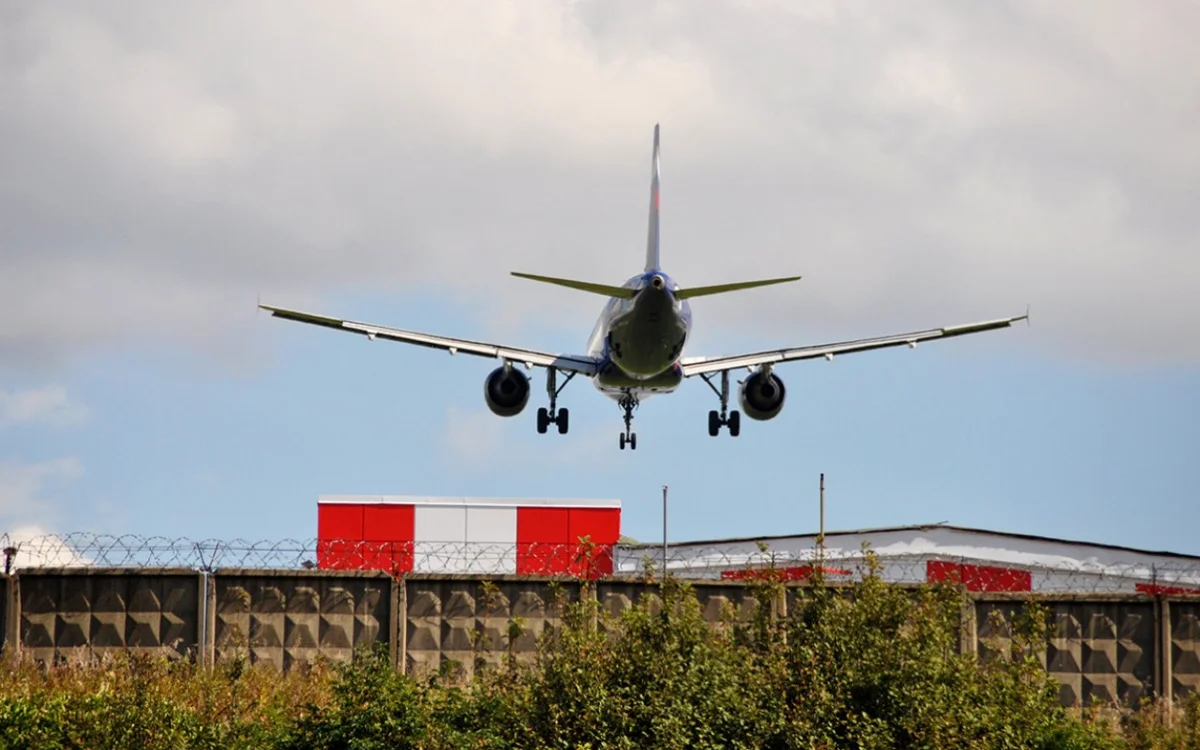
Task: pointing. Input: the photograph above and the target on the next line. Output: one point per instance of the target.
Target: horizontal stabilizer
(702, 291)
(584, 286)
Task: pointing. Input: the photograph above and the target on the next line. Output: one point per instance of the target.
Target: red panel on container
(602, 524)
(548, 540)
(337, 555)
(603, 527)
(388, 523)
(393, 557)
(979, 577)
(338, 521)
(542, 536)
(542, 525)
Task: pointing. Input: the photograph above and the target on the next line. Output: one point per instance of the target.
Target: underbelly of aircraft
(612, 378)
(643, 349)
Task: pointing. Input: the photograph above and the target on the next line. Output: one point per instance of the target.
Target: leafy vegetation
(870, 665)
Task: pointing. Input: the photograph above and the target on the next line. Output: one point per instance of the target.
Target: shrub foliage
(869, 665)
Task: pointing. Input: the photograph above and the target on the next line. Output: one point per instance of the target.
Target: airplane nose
(657, 281)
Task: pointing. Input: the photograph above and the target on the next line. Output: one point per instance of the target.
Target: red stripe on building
(796, 573)
(1157, 590)
(979, 577)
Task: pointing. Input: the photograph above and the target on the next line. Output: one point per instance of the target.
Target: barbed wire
(1020, 572)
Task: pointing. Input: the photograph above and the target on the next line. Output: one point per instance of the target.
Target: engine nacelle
(506, 391)
(762, 395)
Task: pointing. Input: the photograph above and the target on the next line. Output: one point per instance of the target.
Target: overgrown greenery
(866, 666)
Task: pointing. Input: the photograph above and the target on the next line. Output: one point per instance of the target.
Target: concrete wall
(1099, 651)
(74, 612)
(718, 600)
(1119, 647)
(287, 618)
(465, 624)
(1183, 643)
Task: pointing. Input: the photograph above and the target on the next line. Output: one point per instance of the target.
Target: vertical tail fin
(652, 234)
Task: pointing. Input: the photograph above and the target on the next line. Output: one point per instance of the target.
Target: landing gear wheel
(553, 415)
(622, 441)
(633, 441)
(724, 417)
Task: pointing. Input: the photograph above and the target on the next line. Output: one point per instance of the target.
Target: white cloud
(920, 164)
(37, 546)
(473, 438)
(23, 489)
(48, 405)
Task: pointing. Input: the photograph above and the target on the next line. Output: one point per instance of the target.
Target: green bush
(870, 665)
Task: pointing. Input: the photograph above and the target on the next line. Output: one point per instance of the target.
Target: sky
(166, 166)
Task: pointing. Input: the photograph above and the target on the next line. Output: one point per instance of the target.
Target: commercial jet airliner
(636, 348)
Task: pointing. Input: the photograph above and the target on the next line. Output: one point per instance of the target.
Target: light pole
(821, 533)
(664, 562)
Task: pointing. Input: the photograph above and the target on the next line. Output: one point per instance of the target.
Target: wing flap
(568, 363)
(704, 365)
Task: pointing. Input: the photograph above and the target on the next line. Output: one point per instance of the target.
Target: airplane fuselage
(641, 339)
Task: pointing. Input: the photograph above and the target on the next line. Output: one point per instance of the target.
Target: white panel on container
(439, 523)
(486, 524)
(490, 558)
(481, 558)
(439, 557)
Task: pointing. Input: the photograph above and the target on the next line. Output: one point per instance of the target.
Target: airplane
(635, 349)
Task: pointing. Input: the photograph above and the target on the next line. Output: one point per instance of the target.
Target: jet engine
(762, 395)
(506, 391)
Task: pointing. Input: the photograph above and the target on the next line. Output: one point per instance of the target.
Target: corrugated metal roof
(918, 527)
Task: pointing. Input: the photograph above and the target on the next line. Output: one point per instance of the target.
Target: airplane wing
(704, 365)
(581, 364)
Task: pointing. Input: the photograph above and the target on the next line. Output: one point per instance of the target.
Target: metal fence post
(1164, 656)
(12, 623)
(398, 631)
(202, 620)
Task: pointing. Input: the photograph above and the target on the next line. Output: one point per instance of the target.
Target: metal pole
(821, 533)
(664, 563)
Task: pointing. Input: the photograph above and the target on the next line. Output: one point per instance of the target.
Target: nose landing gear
(628, 402)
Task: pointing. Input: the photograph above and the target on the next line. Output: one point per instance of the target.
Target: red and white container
(494, 536)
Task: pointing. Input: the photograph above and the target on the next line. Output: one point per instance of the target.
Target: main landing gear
(628, 402)
(554, 415)
(730, 419)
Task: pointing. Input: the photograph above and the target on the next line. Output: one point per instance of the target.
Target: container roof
(508, 502)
